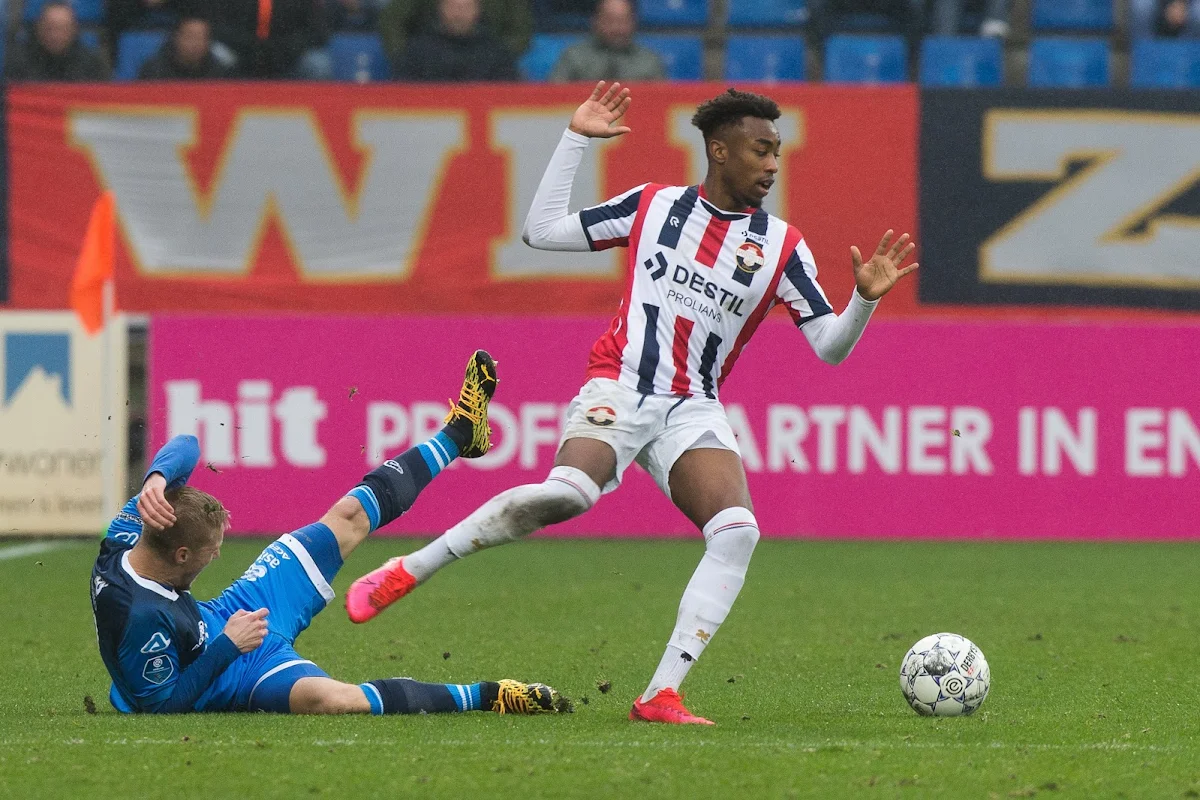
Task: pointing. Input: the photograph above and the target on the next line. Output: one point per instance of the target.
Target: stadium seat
(865, 59)
(1166, 64)
(85, 10)
(961, 61)
(1068, 63)
(652, 13)
(90, 37)
(544, 53)
(764, 58)
(1073, 15)
(133, 49)
(767, 13)
(682, 55)
(358, 57)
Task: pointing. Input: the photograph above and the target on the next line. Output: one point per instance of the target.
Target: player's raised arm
(833, 336)
(548, 225)
(172, 466)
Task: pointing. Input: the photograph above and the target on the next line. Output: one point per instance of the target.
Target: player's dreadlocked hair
(729, 109)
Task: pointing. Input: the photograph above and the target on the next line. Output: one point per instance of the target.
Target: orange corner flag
(95, 264)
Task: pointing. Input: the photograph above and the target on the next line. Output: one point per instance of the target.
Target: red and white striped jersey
(700, 282)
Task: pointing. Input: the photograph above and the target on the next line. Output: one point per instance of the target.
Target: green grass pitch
(1093, 649)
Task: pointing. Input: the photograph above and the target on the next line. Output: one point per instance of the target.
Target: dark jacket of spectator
(511, 21)
(351, 16)
(29, 61)
(164, 66)
(438, 56)
(296, 26)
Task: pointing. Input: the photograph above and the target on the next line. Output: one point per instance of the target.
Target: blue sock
(391, 488)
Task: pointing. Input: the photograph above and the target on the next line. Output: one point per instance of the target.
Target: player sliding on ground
(168, 653)
(705, 265)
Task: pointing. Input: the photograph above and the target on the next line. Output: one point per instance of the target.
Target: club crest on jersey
(601, 416)
(750, 257)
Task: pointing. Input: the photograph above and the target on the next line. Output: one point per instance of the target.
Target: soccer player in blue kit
(168, 653)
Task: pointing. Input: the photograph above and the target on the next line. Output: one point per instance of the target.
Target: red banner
(403, 199)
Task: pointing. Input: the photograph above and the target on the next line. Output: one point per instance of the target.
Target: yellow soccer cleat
(530, 698)
(471, 410)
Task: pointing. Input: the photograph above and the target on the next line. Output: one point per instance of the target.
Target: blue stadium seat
(1166, 64)
(682, 55)
(85, 10)
(133, 49)
(764, 58)
(961, 61)
(1073, 15)
(673, 12)
(544, 53)
(865, 59)
(89, 37)
(358, 57)
(1068, 63)
(767, 13)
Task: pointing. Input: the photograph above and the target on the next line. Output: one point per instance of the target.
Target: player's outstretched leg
(315, 695)
(507, 517)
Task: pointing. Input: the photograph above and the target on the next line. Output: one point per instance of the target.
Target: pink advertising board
(929, 429)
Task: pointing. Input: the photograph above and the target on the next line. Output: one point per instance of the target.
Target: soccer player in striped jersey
(168, 653)
(705, 265)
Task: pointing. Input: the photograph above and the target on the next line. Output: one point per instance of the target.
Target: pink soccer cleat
(666, 706)
(378, 589)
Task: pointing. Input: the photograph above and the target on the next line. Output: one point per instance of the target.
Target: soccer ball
(945, 675)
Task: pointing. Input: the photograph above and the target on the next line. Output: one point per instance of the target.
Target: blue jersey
(153, 639)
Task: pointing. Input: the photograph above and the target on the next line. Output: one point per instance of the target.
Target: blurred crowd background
(1054, 43)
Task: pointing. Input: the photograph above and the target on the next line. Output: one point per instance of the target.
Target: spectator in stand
(458, 49)
(610, 54)
(54, 52)
(129, 15)
(907, 17)
(947, 17)
(273, 38)
(510, 21)
(1169, 18)
(352, 15)
(185, 55)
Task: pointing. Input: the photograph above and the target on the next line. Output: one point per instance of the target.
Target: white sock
(729, 537)
(510, 515)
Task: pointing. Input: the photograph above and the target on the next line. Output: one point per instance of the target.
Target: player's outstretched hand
(876, 277)
(247, 629)
(152, 504)
(597, 117)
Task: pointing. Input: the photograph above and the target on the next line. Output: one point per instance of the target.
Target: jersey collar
(727, 216)
(146, 583)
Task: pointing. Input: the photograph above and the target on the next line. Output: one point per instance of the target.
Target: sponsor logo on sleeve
(158, 669)
(157, 644)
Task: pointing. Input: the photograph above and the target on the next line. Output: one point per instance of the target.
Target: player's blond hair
(199, 519)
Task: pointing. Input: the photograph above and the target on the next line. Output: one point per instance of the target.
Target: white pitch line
(29, 549)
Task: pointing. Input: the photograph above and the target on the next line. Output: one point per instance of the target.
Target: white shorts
(653, 430)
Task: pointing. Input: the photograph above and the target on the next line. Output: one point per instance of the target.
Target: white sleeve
(833, 336)
(548, 226)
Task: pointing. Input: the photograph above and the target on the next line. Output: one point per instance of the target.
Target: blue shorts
(291, 579)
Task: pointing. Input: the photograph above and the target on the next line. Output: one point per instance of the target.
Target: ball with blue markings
(945, 675)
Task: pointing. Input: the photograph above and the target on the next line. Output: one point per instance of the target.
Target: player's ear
(717, 151)
(182, 554)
